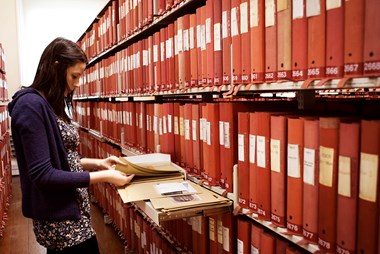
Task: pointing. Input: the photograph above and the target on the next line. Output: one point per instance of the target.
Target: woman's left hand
(109, 163)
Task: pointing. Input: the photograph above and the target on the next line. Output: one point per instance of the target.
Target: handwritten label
(252, 148)
(369, 164)
(309, 166)
(241, 139)
(326, 166)
(260, 155)
(275, 155)
(344, 176)
(294, 168)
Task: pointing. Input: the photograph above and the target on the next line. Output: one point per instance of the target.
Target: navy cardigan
(48, 187)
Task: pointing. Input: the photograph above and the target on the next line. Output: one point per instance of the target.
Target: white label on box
(369, 165)
(241, 147)
(226, 239)
(186, 46)
(181, 126)
(254, 250)
(145, 57)
(217, 38)
(344, 176)
(155, 124)
(155, 53)
(194, 129)
(208, 133)
(240, 246)
(162, 51)
(203, 37)
(333, 4)
(199, 39)
(254, 13)
(270, 13)
(244, 17)
(309, 166)
(170, 124)
(313, 8)
(191, 38)
(234, 22)
(169, 48)
(227, 138)
(176, 126)
(252, 148)
(294, 166)
(220, 231)
(282, 5)
(175, 45)
(130, 119)
(275, 152)
(180, 40)
(212, 226)
(224, 25)
(326, 164)
(160, 126)
(298, 9)
(208, 30)
(202, 133)
(221, 133)
(165, 129)
(260, 155)
(187, 129)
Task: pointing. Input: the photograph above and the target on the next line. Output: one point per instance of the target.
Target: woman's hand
(91, 164)
(119, 178)
(109, 163)
(111, 176)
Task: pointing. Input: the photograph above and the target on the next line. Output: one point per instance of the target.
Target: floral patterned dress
(57, 235)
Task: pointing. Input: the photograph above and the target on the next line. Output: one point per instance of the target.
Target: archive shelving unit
(5, 147)
(297, 61)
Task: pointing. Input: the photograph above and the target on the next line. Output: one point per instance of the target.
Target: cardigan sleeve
(30, 122)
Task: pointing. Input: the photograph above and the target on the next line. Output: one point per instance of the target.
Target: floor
(18, 236)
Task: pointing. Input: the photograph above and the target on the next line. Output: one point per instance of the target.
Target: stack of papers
(200, 197)
(163, 183)
(150, 167)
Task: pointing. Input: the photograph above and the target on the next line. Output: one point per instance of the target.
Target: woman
(54, 178)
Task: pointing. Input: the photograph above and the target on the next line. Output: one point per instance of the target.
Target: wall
(9, 40)
(38, 22)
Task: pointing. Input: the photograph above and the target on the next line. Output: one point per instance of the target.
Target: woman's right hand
(113, 176)
(119, 178)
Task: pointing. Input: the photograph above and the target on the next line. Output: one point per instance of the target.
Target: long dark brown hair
(50, 77)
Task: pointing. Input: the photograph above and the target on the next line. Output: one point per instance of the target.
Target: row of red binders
(247, 42)
(191, 234)
(212, 234)
(5, 179)
(224, 233)
(121, 19)
(254, 239)
(139, 235)
(315, 176)
(5, 148)
(3, 79)
(2, 59)
(4, 121)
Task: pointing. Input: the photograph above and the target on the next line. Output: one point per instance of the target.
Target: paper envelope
(148, 190)
(204, 198)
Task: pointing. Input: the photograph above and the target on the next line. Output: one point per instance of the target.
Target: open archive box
(162, 191)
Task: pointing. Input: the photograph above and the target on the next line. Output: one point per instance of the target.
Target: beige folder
(150, 167)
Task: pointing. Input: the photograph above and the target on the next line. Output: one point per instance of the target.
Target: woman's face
(73, 75)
